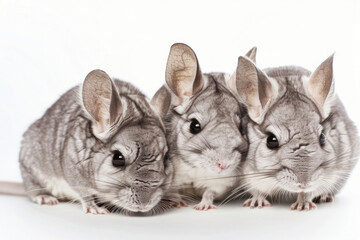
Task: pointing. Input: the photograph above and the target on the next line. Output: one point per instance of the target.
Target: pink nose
(302, 186)
(221, 166)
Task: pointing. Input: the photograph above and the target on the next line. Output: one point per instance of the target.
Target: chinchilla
(203, 127)
(107, 145)
(301, 141)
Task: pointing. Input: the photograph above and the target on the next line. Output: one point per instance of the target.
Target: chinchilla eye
(272, 141)
(241, 129)
(118, 159)
(195, 126)
(322, 139)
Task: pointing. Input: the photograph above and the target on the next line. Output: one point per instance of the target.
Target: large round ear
(252, 86)
(183, 75)
(320, 86)
(231, 82)
(161, 101)
(251, 54)
(102, 101)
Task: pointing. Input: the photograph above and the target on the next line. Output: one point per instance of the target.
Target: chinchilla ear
(320, 86)
(102, 101)
(161, 101)
(253, 87)
(231, 82)
(183, 75)
(251, 54)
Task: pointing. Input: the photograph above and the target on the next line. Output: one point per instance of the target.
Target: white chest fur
(200, 179)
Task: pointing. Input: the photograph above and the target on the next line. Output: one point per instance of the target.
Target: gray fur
(220, 139)
(196, 157)
(217, 107)
(61, 147)
(300, 166)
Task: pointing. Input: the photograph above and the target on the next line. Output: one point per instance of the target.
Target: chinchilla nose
(302, 185)
(222, 166)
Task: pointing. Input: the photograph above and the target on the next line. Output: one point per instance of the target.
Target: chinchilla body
(301, 140)
(105, 143)
(208, 162)
(204, 122)
(216, 107)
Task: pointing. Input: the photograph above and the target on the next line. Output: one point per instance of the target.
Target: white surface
(47, 47)
(24, 220)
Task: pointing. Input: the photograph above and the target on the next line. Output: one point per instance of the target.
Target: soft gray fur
(296, 106)
(67, 154)
(206, 161)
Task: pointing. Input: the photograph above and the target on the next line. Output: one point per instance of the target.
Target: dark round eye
(272, 141)
(195, 126)
(322, 139)
(118, 159)
(241, 129)
(166, 157)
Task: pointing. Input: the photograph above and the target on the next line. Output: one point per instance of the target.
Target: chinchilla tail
(12, 188)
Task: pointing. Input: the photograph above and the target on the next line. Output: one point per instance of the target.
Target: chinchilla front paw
(258, 201)
(303, 202)
(45, 200)
(301, 205)
(203, 206)
(94, 209)
(206, 201)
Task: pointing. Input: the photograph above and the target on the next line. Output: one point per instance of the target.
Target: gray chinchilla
(301, 141)
(203, 121)
(108, 144)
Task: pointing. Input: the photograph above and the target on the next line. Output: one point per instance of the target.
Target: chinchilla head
(128, 157)
(295, 137)
(203, 118)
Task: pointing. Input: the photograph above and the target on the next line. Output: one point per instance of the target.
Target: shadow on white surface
(22, 219)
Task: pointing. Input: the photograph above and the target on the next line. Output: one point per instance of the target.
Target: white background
(47, 47)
